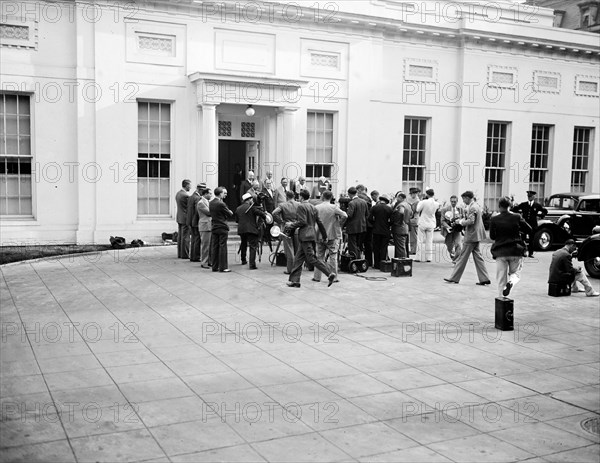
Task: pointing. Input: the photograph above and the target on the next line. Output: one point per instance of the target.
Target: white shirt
(427, 209)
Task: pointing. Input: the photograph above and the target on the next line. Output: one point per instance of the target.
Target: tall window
(580, 160)
(538, 164)
(15, 155)
(319, 145)
(413, 156)
(154, 158)
(495, 159)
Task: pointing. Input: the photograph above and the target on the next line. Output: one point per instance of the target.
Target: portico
(222, 100)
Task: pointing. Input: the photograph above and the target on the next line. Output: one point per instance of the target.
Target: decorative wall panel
(18, 33)
(244, 51)
(157, 43)
(321, 58)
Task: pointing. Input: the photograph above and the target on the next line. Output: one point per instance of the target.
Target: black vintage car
(576, 224)
(588, 252)
(560, 204)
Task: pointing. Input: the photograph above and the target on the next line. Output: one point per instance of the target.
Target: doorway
(232, 159)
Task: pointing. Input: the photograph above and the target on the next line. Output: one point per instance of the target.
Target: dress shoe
(450, 281)
(225, 270)
(593, 294)
(204, 266)
(194, 260)
(253, 267)
(507, 288)
(244, 262)
(317, 281)
(483, 283)
(531, 256)
(293, 284)
(331, 279)
(285, 272)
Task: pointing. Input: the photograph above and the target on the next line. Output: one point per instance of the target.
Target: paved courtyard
(138, 356)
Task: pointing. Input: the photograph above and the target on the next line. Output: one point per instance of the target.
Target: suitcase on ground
(504, 314)
(402, 267)
(385, 266)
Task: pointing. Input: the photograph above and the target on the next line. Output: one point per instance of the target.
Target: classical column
(286, 121)
(208, 170)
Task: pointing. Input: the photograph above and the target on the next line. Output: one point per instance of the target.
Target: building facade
(107, 106)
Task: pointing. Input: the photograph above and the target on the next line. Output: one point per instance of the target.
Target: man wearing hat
(192, 222)
(530, 210)
(245, 216)
(413, 225)
(380, 217)
(474, 233)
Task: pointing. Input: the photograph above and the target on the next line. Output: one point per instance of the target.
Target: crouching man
(562, 271)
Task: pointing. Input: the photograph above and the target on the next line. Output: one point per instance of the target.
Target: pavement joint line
(38, 364)
(360, 342)
(180, 377)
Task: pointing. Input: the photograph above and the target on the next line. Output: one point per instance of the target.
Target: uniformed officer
(531, 212)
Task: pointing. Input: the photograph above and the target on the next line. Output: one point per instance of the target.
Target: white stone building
(107, 106)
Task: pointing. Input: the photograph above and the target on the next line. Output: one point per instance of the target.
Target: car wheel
(543, 239)
(592, 266)
(353, 267)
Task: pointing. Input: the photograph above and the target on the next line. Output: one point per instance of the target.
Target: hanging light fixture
(250, 111)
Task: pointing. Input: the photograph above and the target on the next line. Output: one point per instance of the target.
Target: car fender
(588, 248)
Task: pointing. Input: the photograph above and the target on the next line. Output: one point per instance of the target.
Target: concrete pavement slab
(158, 360)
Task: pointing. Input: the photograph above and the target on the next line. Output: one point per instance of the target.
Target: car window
(590, 205)
(562, 203)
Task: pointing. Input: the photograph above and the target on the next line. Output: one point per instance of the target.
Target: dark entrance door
(232, 155)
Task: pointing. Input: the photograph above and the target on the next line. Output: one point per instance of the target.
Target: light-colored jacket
(427, 209)
(279, 196)
(332, 217)
(474, 229)
(204, 220)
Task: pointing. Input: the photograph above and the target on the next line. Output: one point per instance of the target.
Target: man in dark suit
(531, 210)
(219, 213)
(183, 232)
(401, 215)
(361, 192)
(356, 225)
(508, 248)
(307, 220)
(380, 217)
(192, 222)
(246, 215)
(246, 185)
(562, 271)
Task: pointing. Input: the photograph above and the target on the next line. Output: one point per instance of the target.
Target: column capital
(208, 106)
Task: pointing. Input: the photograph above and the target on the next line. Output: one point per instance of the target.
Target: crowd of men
(315, 228)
